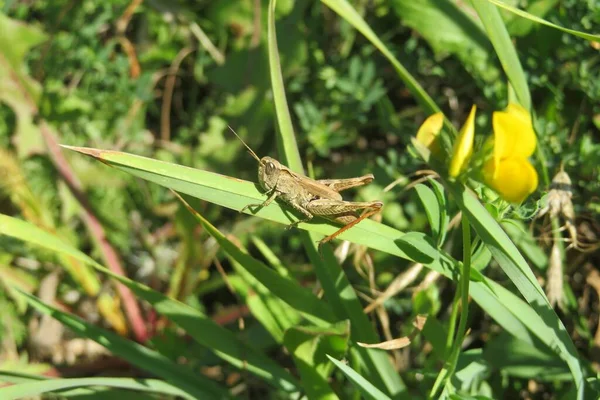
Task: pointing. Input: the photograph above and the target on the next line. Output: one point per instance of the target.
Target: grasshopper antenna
(244, 143)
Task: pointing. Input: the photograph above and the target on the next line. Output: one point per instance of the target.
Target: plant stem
(446, 372)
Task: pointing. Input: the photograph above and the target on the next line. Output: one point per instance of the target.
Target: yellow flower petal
(463, 147)
(513, 133)
(513, 178)
(430, 129)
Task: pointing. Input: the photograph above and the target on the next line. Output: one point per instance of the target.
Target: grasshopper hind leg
(344, 213)
(349, 225)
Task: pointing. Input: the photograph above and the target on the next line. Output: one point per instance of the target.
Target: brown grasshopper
(312, 197)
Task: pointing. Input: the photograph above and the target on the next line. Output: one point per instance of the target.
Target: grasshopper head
(268, 172)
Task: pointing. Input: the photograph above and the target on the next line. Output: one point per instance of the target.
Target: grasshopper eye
(270, 167)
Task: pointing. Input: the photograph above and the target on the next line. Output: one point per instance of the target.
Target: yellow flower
(509, 172)
(430, 130)
(463, 147)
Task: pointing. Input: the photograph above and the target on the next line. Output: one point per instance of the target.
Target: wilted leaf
(399, 343)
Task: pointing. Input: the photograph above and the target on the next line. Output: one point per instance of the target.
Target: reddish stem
(111, 257)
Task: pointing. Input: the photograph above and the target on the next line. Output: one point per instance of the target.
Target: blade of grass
(284, 121)
(344, 300)
(366, 388)
(270, 256)
(235, 194)
(516, 268)
(51, 385)
(309, 347)
(534, 18)
(263, 305)
(498, 35)
(196, 386)
(203, 329)
(286, 289)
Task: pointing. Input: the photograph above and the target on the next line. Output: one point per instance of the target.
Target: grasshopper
(311, 197)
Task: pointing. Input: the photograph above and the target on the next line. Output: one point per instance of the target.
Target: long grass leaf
(286, 289)
(235, 194)
(204, 330)
(50, 385)
(366, 388)
(289, 148)
(516, 268)
(196, 386)
(338, 290)
(534, 18)
(498, 35)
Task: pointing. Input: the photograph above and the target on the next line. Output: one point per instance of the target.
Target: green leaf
(432, 209)
(471, 372)
(19, 91)
(228, 192)
(338, 291)
(366, 388)
(29, 389)
(542, 319)
(531, 17)
(438, 189)
(498, 35)
(526, 242)
(235, 194)
(264, 306)
(309, 346)
(288, 290)
(203, 329)
(449, 30)
(522, 359)
(518, 27)
(196, 386)
(289, 150)
(419, 247)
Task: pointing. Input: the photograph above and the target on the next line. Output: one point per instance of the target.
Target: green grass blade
(448, 28)
(225, 191)
(516, 268)
(338, 291)
(195, 385)
(203, 329)
(50, 385)
(310, 346)
(235, 194)
(366, 388)
(531, 17)
(498, 35)
(271, 258)
(288, 147)
(262, 304)
(346, 11)
(341, 296)
(299, 298)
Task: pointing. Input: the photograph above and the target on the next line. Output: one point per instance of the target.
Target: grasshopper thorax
(268, 173)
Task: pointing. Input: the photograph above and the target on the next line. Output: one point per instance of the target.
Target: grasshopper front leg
(265, 203)
(343, 212)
